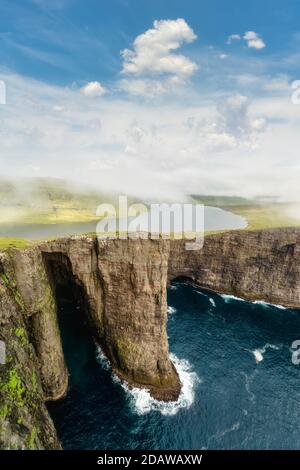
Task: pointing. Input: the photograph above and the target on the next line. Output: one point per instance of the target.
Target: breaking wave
(267, 304)
(171, 310)
(102, 359)
(141, 400)
(228, 298)
(199, 292)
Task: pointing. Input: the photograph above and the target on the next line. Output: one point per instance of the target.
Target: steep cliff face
(121, 285)
(262, 265)
(24, 420)
(32, 283)
(134, 278)
(124, 286)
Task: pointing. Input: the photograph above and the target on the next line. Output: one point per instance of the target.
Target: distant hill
(232, 201)
(49, 200)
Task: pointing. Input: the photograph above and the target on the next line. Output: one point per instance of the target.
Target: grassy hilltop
(48, 201)
(261, 213)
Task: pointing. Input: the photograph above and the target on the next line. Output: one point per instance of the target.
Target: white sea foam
(281, 307)
(228, 298)
(248, 382)
(261, 302)
(171, 310)
(219, 435)
(141, 400)
(143, 403)
(213, 303)
(200, 293)
(102, 359)
(234, 427)
(267, 304)
(259, 353)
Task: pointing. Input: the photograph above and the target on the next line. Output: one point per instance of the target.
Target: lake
(214, 219)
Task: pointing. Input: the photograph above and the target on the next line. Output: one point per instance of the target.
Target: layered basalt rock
(121, 286)
(259, 265)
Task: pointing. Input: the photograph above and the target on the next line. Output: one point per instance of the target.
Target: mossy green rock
(24, 419)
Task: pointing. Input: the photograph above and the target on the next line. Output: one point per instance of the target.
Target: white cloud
(274, 85)
(223, 56)
(93, 89)
(58, 109)
(170, 148)
(233, 115)
(259, 124)
(278, 84)
(130, 150)
(145, 87)
(221, 141)
(152, 51)
(151, 87)
(254, 40)
(246, 79)
(233, 37)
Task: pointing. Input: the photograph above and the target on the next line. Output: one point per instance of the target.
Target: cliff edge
(121, 286)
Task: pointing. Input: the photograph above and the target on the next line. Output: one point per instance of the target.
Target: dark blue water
(241, 389)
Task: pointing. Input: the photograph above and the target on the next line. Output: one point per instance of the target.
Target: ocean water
(240, 387)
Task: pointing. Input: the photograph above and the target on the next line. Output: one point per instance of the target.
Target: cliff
(121, 285)
(24, 419)
(254, 265)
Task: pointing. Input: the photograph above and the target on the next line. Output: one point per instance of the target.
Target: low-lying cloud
(234, 146)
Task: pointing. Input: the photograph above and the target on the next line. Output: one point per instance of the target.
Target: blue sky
(62, 41)
(201, 99)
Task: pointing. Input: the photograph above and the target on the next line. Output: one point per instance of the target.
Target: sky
(160, 98)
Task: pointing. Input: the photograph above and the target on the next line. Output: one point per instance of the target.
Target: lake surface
(214, 219)
(240, 387)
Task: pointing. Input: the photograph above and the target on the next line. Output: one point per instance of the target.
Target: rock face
(121, 285)
(262, 265)
(24, 419)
